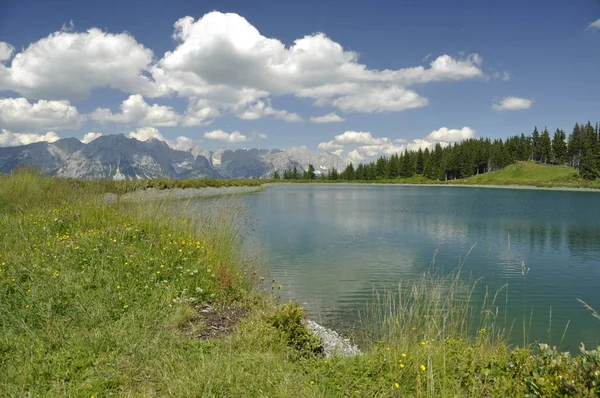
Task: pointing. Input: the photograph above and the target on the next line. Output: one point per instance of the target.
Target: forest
(581, 150)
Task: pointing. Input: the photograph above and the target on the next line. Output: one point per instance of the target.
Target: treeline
(581, 150)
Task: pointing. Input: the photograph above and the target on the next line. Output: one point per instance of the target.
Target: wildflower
(403, 355)
(396, 386)
(401, 366)
(56, 274)
(422, 367)
(262, 278)
(157, 272)
(125, 306)
(27, 307)
(510, 364)
(118, 286)
(387, 349)
(312, 382)
(423, 343)
(279, 287)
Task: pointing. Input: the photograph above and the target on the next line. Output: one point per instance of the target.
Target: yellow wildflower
(396, 386)
(403, 355)
(422, 367)
(401, 366)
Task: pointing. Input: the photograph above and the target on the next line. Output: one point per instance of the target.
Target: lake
(331, 245)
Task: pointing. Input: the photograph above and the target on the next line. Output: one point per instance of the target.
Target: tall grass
(98, 299)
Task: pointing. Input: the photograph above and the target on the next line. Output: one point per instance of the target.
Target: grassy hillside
(142, 299)
(531, 174)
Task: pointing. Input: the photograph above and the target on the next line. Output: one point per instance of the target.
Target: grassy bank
(136, 298)
(532, 174)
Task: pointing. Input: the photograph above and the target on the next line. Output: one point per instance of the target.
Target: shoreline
(494, 186)
(184, 193)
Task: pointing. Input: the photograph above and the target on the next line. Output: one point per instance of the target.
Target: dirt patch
(214, 322)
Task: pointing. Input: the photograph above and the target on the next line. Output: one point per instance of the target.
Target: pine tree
(310, 173)
(420, 162)
(276, 175)
(545, 147)
(535, 145)
(407, 167)
(559, 147)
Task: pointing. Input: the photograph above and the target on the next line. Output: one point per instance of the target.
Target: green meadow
(143, 298)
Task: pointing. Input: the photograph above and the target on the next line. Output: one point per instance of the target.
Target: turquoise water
(331, 245)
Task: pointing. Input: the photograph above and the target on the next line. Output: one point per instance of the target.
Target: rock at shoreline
(333, 343)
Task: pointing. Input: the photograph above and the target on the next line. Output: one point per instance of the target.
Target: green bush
(288, 320)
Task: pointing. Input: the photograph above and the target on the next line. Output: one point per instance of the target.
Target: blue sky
(391, 74)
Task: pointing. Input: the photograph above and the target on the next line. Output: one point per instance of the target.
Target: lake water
(330, 245)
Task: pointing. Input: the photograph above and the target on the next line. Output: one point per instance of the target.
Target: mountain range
(120, 158)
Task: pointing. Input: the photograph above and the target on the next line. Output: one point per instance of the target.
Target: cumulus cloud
(361, 146)
(355, 156)
(512, 104)
(181, 143)
(8, 138)
(135, 110)
(146, 133)
(89, 137)
(224, 59)
(222, 65)
(262, 108)
(329, 118)
(595, 24)
(19, 115)
(359, 138)
(220, 135)
(330, 146)
(68, 65)
(6, 51)
(451, 135)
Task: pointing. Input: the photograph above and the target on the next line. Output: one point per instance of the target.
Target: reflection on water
(331, 245)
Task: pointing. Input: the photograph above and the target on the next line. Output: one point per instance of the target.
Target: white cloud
(19, 115)
(363, 146)
(222, 65)
(220, 135)
(358, 138)
(451, 135)
(329, 118)
(135, 110)
(6, 51)
(355, 156)
(8, 138)
(89, 137)
(225, 60)
(330, 146)
(67, 65)
(595, 24)
(146, 133)
(512, 104)
(260, 109)
(378, 99)
(183, 143)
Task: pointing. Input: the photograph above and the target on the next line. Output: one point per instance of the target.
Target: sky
(360, 79)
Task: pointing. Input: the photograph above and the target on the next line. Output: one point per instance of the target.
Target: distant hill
(120, 158)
